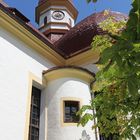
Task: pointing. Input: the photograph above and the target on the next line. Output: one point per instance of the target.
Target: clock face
(58, 15)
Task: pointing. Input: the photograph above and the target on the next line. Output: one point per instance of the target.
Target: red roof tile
(42, 1)
(79, 38)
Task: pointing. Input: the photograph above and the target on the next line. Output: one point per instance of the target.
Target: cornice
(56, 23)
(84, 57)
(69, 71)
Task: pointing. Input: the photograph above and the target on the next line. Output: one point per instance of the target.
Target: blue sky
(27, 7)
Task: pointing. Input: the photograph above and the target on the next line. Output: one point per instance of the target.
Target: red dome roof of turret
(42, 1)
(79, 38)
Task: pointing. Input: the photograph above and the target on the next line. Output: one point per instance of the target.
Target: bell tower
(55, 17)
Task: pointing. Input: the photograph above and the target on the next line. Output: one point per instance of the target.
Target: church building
(46, 72)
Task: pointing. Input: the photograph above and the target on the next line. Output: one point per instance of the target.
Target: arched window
(45, 20)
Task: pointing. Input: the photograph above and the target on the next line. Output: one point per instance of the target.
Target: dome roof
(42, 1)
(79, 38)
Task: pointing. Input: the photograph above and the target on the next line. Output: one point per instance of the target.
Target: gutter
(92, 97)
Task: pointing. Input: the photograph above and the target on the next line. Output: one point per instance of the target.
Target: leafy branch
(117, 83)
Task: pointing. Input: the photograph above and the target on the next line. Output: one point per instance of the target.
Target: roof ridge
(3, 3)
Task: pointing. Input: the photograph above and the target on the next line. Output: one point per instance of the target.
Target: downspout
(92, 96)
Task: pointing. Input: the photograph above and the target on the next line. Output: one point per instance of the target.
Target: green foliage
(117, 105)
(91, 1)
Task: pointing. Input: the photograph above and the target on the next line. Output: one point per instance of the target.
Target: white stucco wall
(55, 91)
(91, 67)
(16, 61)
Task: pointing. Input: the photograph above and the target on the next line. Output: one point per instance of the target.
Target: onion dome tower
(55, 17)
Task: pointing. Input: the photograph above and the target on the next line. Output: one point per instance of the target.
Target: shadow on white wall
(85, 136)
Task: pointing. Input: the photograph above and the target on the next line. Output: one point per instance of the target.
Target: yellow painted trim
(32, 78)
(32, 41)
(63, 124)
(83, 58)
(68, 72)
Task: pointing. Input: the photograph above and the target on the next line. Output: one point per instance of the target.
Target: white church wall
(56, 91)
(16, 62)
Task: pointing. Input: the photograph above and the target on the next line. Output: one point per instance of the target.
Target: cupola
(55, 17)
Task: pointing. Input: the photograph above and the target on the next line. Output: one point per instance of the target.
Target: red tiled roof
(19, 14)
(3, 3)
(42, 1)
(79, 38)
